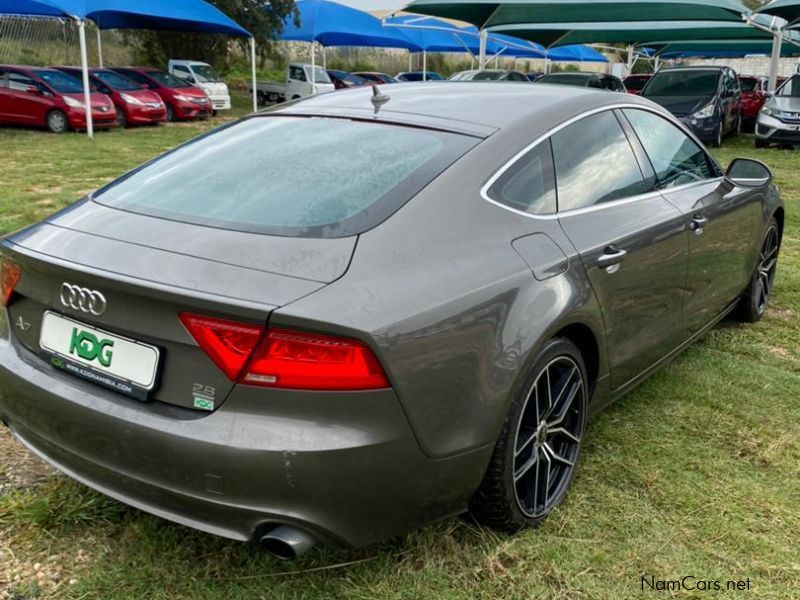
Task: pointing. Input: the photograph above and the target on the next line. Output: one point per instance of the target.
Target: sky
(374, 4)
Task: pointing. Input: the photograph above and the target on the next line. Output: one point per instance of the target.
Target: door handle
(698, 224)
(611, 257)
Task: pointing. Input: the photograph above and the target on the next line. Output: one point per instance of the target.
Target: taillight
(227, 343)
(307, 361)
(9, 278)
(280, 358)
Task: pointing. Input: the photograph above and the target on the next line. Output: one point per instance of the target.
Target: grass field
(696, 473)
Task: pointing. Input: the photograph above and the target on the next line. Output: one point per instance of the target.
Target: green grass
(697, 472)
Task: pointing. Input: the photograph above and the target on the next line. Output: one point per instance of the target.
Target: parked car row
(53, 97)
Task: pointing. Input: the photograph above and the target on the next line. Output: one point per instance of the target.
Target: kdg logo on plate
(88, 347)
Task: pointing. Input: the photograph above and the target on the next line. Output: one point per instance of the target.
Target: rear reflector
(9, 278)
(227, 343)
(280, 358)
(308, 361)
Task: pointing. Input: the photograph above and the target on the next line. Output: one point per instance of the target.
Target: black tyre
(170, 114)
(57, 122)
(122, 119)
(739, 125)
(754, 302)
(758, 143)
(535, 457)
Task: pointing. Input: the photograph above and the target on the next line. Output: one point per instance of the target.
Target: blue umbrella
(332, 24)
(576, 54)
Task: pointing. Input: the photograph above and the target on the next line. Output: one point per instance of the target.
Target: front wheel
(170, 114)
(717, 140)
(535, 457)
(755, 301)
(759, 143)
(122, 118)
(57, 122)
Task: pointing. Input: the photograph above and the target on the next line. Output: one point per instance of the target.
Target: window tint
(297, 74)
(683, 82)
(138, 78)
(676, 158)
(529, 185)
(317, 177)
(182, 71)
(116, 81)
(595, 163)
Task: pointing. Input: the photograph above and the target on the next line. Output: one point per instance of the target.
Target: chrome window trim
(550, 133)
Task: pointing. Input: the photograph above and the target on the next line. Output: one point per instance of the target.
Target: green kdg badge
(88, 347)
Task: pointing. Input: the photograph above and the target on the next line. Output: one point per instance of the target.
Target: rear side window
(529, 185)
(290, 176)
(675, 157)
(595, 163)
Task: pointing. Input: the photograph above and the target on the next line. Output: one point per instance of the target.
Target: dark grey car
(351, 315)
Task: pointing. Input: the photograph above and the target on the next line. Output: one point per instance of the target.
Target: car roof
(461, 106)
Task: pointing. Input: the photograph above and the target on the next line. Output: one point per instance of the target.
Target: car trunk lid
(149, 271)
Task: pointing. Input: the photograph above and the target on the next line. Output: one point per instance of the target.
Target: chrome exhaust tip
(286, 542)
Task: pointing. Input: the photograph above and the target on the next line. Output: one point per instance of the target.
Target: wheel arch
(780, 217)
(588, 344)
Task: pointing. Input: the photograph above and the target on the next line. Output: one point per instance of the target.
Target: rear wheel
(534, 460)
(755, 301)
(57, 121)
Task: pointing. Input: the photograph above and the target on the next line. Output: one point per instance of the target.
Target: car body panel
(449, 293)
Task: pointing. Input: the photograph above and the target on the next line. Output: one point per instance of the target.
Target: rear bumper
(345, 467)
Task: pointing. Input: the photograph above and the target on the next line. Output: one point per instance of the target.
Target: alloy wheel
(57, 122)
(767, 267)
(548, 438)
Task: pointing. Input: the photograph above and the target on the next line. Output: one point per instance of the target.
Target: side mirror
(749, 173)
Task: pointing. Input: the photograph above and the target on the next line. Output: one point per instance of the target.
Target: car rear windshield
(566, 79)
(117, 82)
(683, 83)
(290, 176)
(61, 82)
(635, 83)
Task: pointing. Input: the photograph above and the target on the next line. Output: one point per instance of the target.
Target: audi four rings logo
(83, 299)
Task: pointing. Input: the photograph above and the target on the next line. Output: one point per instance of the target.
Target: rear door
(631, 240)
(722, 219)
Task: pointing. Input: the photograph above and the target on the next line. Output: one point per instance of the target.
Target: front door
(722, 220)
(631, 240)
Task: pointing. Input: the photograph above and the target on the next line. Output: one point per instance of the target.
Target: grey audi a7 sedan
(347, 316)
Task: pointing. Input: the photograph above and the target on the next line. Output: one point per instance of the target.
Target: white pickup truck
(204, 76)
(298, 84)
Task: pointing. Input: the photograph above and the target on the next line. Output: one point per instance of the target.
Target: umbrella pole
(99, 48)
(87, 92)
(777, 44)
(313, 70)
(253, 72)
(482, 52)
(424, 65)
(410, 61)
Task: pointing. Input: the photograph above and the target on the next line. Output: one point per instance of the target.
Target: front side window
(790, 89)
(529, 185)
(297, 74)
(595, 163)
(675, 157)
(317, 177)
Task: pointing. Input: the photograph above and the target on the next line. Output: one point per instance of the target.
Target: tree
(263, 18)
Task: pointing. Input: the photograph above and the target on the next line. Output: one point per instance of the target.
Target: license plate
(104, 358)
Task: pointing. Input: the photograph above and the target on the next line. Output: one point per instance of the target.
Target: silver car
(779, 119)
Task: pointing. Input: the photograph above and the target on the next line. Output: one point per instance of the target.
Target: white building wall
(756, 65)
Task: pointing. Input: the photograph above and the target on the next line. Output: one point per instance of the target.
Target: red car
(754, 95)
(635, 83)
(49, 98)
(342, 80)
(183, 100)
(135, 104)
